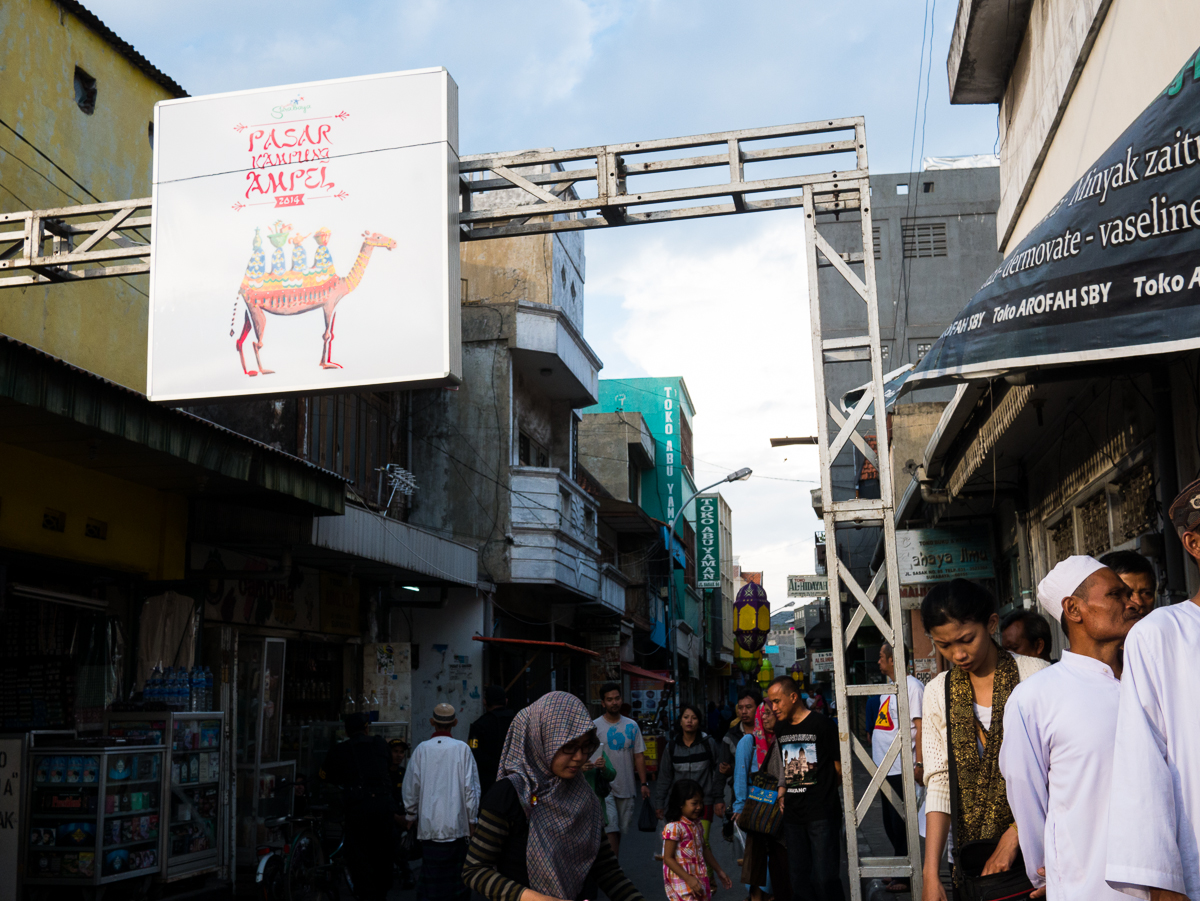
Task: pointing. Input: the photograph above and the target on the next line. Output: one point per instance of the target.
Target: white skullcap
(1062, 581)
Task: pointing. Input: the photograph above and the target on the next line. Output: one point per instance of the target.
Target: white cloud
(733, 321)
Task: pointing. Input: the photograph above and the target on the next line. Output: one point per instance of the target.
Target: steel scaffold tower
(836, 433)
(538, 192)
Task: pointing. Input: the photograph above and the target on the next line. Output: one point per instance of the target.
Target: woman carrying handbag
(757, 812)
(963, 729)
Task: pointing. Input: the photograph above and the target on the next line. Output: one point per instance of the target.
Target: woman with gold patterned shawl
(962, 621)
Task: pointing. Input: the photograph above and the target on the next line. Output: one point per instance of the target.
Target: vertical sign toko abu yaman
(305, 239)
(708, 547)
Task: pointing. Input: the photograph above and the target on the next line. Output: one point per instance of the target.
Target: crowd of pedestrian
(1017, 758)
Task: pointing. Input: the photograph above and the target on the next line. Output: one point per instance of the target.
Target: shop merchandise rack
(195, 777)
(94, 812)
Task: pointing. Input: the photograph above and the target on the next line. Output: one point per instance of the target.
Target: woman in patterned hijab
(539, 832)
(543, 755)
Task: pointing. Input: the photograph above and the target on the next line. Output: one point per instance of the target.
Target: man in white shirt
(887, 724)
(622, 740)
(1154, 810)
(441, 794)
(1059, 728)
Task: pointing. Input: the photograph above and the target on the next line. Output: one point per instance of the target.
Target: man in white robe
(1059, 728)
(1154, 809)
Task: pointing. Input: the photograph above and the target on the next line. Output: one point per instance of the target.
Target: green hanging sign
(708, 543)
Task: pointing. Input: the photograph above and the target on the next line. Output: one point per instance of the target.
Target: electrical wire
(904, 285)
(39, 152)
(60, 188)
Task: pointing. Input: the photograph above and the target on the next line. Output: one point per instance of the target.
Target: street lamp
(738, 476)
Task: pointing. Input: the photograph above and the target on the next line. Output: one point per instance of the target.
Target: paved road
(638, 850)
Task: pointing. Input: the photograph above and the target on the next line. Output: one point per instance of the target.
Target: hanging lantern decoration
(765, 673)
(796, 671)
(751, 617)
(747, 661)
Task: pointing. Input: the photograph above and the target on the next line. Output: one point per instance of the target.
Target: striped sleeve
(611, 878)
(480, 872)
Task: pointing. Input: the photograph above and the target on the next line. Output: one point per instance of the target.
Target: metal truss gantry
(75, 243)
(541, 192)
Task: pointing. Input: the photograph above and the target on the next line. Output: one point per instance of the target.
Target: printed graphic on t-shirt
(800, 762)
(884, 719)
(618, 738)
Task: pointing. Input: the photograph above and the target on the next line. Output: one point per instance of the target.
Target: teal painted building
(667, 409)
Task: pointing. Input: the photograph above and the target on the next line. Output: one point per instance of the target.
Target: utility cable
(63, 190)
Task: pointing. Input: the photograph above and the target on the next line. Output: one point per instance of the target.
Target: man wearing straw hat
(441, 794)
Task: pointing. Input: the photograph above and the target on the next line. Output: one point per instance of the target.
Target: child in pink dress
(686, 858)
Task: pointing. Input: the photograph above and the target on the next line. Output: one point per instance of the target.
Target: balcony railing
(554, 531)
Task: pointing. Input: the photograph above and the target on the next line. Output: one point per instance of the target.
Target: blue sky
(720, 302)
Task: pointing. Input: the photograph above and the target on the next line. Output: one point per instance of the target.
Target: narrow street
(638, 851)
(353, 445)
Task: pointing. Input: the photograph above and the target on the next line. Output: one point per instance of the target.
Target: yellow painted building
(59, 509)
(75, 128)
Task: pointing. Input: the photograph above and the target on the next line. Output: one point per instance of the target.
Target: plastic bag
(647, 819)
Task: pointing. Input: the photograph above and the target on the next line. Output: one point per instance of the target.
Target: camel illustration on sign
(289, 290)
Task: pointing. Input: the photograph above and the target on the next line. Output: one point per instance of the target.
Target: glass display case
(195, 776)
(259, 693)
(264, 780)
(95, 809)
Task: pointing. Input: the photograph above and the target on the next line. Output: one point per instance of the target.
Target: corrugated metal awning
(53, 408)
(371, 536)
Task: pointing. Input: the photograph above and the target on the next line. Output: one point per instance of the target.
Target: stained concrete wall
(99, 326)
(448, 662)
(604, 442)
(462, 446)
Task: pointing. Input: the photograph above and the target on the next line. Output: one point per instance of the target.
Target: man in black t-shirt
(808, 787)
(486, 738)
(360, 766)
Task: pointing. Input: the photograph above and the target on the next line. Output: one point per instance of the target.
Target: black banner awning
(1112, 271)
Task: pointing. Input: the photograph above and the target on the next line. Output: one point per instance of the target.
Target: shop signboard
(708, 543)
(1109, 272)
(822, 661)
(339, 604)
(937, 555)
(647, 695)
(912, 595)
(11, 826)
(285, 602)
(808, 587)
(288, 217)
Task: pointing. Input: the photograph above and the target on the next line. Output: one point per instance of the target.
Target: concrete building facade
(1084, 459)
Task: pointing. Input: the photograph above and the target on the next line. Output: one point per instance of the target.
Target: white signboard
(808, 587)
(11, 826)
(305, 239)
(822, 661)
